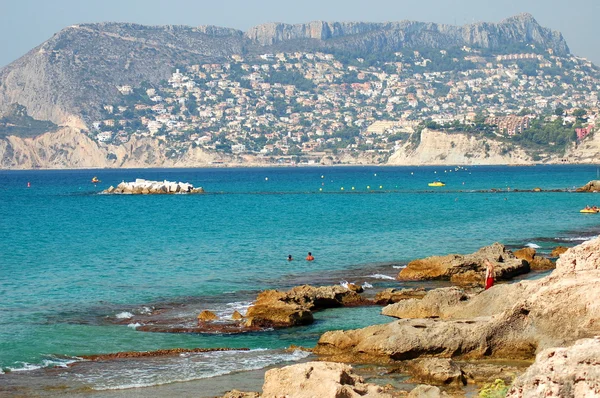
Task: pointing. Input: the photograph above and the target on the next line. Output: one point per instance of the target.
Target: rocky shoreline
(449, 337)
(530, 338)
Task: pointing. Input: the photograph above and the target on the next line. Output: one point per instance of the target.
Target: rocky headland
(145, 187)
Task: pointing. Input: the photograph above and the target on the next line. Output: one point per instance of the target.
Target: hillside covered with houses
(300, 107)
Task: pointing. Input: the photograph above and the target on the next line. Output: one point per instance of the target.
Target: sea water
(72, 260)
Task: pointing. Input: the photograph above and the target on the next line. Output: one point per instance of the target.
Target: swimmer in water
(309, 257)
(290, 257)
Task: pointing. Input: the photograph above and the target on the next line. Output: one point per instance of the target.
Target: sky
(24, 24)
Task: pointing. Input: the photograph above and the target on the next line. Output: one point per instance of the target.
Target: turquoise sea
(75, 265)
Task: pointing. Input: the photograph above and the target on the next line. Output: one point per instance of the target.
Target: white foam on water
(226, 312)
(533, 245)
(59, 363)
(344, 284)
(124, 315)
(579, 238)
(24, 367)
(185, 367)
(381, 276)
(145, 310)
(134, 325)
(50, 362)
(399, 266)
(367, 285)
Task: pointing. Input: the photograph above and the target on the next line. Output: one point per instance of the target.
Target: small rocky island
(145, 187)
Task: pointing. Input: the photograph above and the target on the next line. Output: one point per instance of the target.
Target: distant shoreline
(284, 166)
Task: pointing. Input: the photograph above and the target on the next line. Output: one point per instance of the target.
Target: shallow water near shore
(76, 265)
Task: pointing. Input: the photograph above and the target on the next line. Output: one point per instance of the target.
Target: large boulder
(318, 379)
(277, 314)
(541, 264)
(526, 253)
(563, 372)
(468, 268)
(274, 308)
(317, 298)
(536, 263)
(403, 339)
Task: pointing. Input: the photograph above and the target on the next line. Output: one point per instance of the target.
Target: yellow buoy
(342, 188)
(353, 188)
(381, 186)
(368, 187)
(320, 189)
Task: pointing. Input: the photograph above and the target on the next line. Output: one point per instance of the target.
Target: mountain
(51, 98)
(64, 79)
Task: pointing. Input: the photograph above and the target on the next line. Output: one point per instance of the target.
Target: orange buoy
(28, 184)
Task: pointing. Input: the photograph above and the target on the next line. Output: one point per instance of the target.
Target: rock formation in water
(466, 269)
(592, 186)
(145, 187)
(294, 307)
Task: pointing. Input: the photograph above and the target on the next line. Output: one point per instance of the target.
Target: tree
(580, 115)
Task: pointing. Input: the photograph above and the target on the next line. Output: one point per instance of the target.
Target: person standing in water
(489, 274)
(309, 257)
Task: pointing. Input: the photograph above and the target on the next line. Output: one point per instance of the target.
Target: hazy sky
(25, 24)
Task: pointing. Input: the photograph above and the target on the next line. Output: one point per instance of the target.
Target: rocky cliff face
(69, 148)
(393, 36)
(437, 147)
(587, 151)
